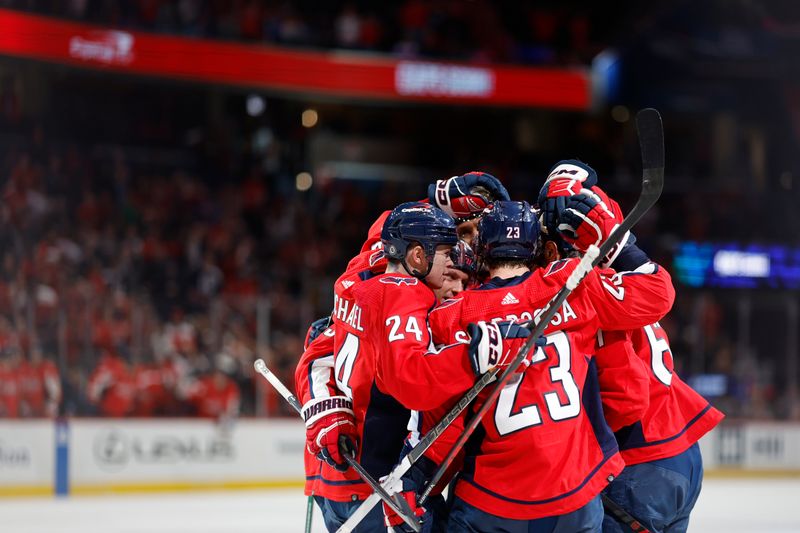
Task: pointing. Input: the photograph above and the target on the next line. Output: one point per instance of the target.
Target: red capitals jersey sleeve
(624, 379)
(313, 377)
(628, 300)
(676, 417)
(445, 322)
(406, 368)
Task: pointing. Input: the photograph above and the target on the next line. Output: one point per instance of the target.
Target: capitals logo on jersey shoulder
(391, 280)
(556, 266)
(447, 303)
(375, 257)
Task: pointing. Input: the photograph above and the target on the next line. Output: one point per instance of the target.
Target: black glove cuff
(630, 258)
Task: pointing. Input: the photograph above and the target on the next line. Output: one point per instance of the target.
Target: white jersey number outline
(343, 364)
(659, 348)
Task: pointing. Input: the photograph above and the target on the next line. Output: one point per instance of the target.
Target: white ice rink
(729, 506)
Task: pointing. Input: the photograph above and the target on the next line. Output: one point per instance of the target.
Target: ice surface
(726, 505)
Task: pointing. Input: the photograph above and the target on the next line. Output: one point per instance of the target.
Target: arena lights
(620, 113)
(303, 181)
(255, 105)
(309, 118)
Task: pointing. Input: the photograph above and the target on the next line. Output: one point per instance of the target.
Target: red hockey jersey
(314, 374)
(382, 362)
(676, 416)
(545, 449)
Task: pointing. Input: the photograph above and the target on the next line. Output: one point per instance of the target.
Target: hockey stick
(261, 368)
(651, 140)
(619, 512)
(405, 513)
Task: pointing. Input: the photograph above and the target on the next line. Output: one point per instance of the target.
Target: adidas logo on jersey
(508, 299)
(347, 283)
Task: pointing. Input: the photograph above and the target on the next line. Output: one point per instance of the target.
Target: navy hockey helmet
(464, 258)
(508, 231)
(417, 223)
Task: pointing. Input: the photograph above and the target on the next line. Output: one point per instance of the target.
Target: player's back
(677, 415)
(544, 449)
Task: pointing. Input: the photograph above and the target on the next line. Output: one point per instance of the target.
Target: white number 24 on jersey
(507, 421)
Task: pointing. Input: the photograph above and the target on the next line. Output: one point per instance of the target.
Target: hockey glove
(466, 196)
(315, 329)
(586, 220)
(407, 489)
(488, 350)
(566, 179)
(331, 430)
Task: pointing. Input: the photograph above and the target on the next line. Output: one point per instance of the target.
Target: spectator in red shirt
(39, 386)
(111, 386)
(216, 395)
(9, 379)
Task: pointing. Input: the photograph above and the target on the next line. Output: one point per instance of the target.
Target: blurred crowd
(151, 251)
(130, 294)
(544, 33)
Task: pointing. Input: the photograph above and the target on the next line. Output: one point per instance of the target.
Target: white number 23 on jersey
(509, 419)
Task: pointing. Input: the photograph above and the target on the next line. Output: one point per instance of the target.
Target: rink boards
(80, 456)
(103, 455)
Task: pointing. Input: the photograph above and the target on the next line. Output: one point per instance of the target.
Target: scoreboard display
(735, 265)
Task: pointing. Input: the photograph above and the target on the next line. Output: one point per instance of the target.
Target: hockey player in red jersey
(657, 438)
(336, 489)
(314, 379)
(541, 457)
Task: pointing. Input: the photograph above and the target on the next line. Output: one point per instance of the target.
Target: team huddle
(448, 289)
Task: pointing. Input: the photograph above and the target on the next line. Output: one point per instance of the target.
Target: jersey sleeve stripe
(320, 373)
(468, 479)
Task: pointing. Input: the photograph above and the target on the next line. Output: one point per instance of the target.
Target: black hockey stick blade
(651, 144)
(651, 138)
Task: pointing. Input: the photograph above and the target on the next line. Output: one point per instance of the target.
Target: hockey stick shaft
(651, 139)
(619, 512)
(277, 384)
(309, 513)
(405, 514)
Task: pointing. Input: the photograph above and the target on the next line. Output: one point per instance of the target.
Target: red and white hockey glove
(331, 430)
(566, 179)
(466, 196)
(587, 220)
(393, 520)
(494, 344)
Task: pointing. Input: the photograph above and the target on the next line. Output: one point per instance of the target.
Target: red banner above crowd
(343, 74)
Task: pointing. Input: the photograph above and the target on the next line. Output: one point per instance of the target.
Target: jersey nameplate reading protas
(347, 312)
